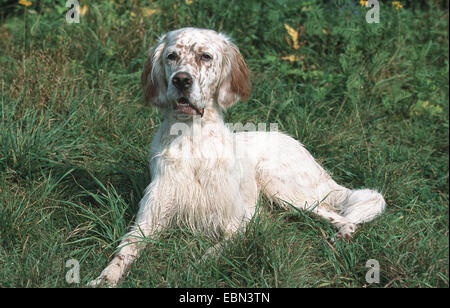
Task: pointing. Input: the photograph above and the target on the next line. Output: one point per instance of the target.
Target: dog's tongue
(185, 109)
(184, 106)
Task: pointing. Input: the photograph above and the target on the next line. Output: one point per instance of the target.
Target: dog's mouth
(183, 105)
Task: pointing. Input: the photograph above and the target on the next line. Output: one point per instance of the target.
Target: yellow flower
(293, 58)
(397, 5)
(363, 2)
(25, 2)
(189, 2)
(149, 12)
(294, 36)
(83, 10)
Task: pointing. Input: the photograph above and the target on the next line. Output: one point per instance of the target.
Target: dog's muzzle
(183, 83)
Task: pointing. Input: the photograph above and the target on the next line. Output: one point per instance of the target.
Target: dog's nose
(182, 80)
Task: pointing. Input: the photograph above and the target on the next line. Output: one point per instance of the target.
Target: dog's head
(191, 69)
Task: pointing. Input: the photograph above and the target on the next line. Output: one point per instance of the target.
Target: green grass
(370, 101)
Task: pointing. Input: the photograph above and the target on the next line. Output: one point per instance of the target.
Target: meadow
(370, 101)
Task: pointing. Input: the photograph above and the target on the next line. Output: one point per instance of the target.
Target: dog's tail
(363, 205)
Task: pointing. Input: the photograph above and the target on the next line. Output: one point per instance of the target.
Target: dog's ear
(235, 82)
(153, 77)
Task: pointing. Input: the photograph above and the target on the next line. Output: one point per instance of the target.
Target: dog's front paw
(109, 277)
(346, 232)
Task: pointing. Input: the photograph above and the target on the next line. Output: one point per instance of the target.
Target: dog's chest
(201, 177)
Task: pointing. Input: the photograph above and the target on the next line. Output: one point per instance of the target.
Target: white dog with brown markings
(198, 180)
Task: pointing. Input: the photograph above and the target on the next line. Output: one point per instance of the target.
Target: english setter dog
(209, 178)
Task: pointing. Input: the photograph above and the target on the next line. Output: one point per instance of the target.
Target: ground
(368, 100)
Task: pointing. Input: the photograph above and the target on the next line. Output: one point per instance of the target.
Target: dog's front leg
(148, 223)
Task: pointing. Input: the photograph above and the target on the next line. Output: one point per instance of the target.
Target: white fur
(208, 178)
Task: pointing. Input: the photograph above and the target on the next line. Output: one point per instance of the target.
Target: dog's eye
(172, 56)
(206, 57)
